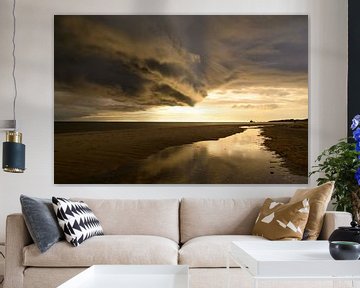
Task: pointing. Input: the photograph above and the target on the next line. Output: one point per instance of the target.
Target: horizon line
(127, 121)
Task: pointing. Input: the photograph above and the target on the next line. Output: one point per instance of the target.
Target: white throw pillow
(76, 220)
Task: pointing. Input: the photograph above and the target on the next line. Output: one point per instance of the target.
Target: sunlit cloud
(181, 68)
(222, 106)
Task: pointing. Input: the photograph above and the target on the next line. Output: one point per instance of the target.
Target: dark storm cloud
(259, 51)
(132, 63)
(168, 91)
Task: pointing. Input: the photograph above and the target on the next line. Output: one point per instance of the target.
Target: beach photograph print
(168, 99)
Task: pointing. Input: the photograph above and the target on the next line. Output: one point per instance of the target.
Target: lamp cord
(14, 61)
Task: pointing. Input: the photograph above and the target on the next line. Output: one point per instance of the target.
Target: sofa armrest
(333, 220)
(17, 237)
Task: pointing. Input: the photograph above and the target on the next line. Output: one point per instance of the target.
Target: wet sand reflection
(239, 158)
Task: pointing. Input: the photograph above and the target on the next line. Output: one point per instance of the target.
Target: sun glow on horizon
(230, 105)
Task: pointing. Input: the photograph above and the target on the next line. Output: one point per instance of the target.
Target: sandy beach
(126, 152)
(290, 141)
(101, 156)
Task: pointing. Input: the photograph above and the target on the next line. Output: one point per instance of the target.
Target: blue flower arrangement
(341, 163)
(355, 126)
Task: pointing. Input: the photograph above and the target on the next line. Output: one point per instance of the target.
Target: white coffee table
(292, 260)
(131, 276)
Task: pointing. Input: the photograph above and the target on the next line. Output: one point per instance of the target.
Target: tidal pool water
(238, 159)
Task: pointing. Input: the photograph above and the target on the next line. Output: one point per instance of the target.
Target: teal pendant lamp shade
(13, 153)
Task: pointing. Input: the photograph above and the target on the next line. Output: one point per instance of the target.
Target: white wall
(328, 58)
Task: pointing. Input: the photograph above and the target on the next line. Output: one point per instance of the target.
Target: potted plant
(341, 163)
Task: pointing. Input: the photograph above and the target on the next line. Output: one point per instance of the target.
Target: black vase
(343, 250)
(350, 234)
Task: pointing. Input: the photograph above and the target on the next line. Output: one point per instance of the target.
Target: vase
(347, 233)
(343, 250)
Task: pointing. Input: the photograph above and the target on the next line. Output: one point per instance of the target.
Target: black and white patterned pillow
(77, 220)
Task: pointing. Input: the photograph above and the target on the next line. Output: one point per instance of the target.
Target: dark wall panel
(354, 60)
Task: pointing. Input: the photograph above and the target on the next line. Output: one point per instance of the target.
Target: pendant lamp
(13, 150)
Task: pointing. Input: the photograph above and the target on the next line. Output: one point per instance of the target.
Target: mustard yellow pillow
(279, 221)
(319, 198)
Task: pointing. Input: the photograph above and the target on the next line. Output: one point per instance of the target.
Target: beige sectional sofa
(194, 232)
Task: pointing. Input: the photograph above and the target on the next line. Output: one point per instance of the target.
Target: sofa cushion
(158, 217)
(107, 249)
(41, 221)
(211, 251)
(35, 277)
(76, 220)
(319, 198)
(200, 217)
(279, 221)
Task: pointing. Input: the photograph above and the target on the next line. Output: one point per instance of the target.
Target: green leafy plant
(341, 163)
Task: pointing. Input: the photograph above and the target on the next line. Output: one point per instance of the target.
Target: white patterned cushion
(77, 220)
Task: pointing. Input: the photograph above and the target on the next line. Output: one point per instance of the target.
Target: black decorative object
(344, 250)
(345, 233)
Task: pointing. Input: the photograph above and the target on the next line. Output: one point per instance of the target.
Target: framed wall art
(210, 99)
